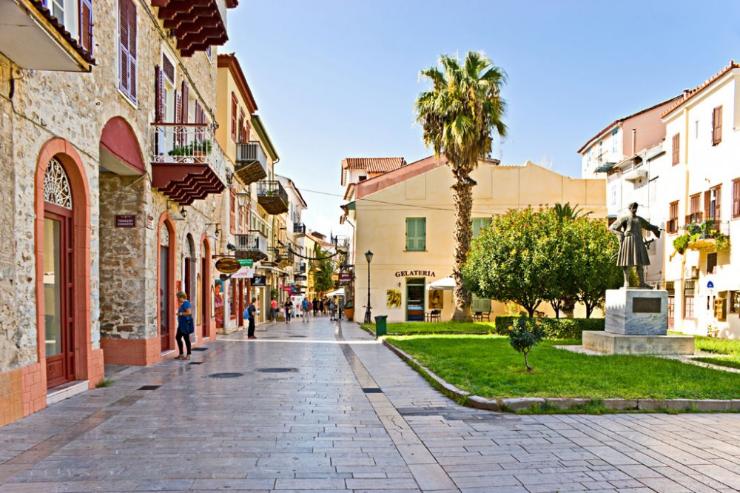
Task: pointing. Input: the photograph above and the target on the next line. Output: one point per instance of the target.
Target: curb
(513, 404)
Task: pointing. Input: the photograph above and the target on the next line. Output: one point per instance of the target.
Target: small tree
(322, 269)
(525, 334)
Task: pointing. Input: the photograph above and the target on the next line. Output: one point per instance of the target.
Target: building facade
(404, 217)
(702, 196)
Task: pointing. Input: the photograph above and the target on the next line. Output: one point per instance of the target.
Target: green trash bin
(381, 328)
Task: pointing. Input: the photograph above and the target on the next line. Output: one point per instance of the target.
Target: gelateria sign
(415, 273)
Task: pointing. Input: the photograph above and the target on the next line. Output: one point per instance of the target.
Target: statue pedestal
(637, 323)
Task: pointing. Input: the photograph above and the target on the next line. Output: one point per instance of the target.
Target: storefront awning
(441, 284)
(336, 292)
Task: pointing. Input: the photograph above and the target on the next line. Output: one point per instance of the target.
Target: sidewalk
(310, 407)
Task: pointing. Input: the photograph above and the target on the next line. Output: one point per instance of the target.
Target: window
(672, 225)
(688, 300)
(416, 234)
(734, 301)
(241, 127)
(127, 48)
(675, 149)
(712, 203)
(669, 286)
(480, 223)
(695, 215)
(234, 109)
(711, 262)
(716, 125)
(736, 198)
(614, 140)
(232, 212)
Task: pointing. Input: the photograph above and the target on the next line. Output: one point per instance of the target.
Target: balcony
(251, 162)
(299, 228)
(195, 24)
(252, 246)
(694, 218)
(708, 237)
(181, 161)
(272, 197)
(40, 35)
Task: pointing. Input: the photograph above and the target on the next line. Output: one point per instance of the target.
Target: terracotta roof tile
(373, 164)
(690, 93)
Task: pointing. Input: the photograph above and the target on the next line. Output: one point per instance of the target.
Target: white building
(296, 234)
(703, 184)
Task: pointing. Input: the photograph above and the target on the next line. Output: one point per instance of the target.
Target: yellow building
(406, 218)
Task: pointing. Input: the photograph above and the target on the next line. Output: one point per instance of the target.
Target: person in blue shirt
(185, 325)
(249, 315)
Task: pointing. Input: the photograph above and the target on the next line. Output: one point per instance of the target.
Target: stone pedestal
(636, 323)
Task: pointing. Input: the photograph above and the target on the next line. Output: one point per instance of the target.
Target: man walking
(273, 310)
(251, 311)
(306, 308)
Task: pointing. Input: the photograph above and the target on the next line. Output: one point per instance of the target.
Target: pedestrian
(288, 310)
(251, 312)
(306, 307)
(273, 310)
(185, 325)
(340, 307)
(332, 310)
(321, 307)
(315, 307)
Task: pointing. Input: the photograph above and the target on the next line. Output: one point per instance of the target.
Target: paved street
(308, 407)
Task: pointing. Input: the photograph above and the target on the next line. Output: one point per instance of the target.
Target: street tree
(322, 269)
(458, 116)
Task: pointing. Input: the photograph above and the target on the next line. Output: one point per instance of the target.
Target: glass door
(415, 300)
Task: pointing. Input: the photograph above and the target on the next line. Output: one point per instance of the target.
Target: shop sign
(415, 273)
(125, 220)
(244, 273)
(259, 281)
(227, 265)
(246, 262)
(345, 276)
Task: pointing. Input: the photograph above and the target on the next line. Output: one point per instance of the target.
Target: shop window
(416, 234)
(720, 309)
(480, 223)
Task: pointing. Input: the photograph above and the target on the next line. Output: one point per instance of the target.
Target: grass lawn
(728, 351)
(420, 328)
(487, 366)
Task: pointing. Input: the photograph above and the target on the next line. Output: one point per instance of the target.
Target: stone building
(110, 187)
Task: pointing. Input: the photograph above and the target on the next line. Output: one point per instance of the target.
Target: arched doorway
(59, 286)
(165, 285)
(205, 288)
(189, 274)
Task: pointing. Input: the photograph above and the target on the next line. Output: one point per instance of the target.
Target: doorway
(415, 288)
(165, 289)
(190, 262)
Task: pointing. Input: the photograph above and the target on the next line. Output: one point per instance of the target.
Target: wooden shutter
(232, 212)
(717, 203)
(185, 103)
(736, 198)
(132, 48)
(233, 116)
(675, 149)
(178, 107)
(707, 205)
(158, 94)
(415, 233)
(241, 126)
(717, 125)
(246, 131)
(86, 25)
(123, 45)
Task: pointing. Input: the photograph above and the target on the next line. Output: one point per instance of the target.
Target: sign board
(125, 220)
(345, 276)
(415, 273)
(246, 262)
(227, 265)
(259, 281)
(244, 273)
(646, 305)
(710, 285)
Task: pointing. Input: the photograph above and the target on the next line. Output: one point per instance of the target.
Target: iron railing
(182, 143)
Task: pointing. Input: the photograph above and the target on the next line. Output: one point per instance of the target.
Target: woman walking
(288, 310)
(185, 325)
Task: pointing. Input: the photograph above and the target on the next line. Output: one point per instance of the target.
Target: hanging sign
(246, 262)
(228, 265)
(259, 281)
(244, 273)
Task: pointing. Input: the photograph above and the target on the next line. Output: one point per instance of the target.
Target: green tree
(458, 116)
(511, 259)
(595, 262)
(562, 283)
(525, 334)
(322, 269)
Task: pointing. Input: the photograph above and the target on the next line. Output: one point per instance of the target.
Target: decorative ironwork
(56, 185)
(182, 143)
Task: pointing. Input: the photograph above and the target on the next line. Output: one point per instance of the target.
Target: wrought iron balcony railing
(252, 245)
(272, 196)
(182, 143)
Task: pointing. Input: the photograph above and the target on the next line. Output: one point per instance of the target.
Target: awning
(336, 292)
(440, 284)
(271, 268)
(244, 273)
(604, 167)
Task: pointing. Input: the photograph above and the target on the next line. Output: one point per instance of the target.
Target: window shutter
(132, 48)
(736, 198)
(233, 116)
(676, 143)
(246, 131)
(717, 125)
(421, 232)
(178, 107)
(707, 207)
(184, 103)
(123, 45)
(86, 25)
(158, 94)
(717, 203)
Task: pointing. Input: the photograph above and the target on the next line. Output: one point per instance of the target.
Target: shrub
(524, 335)
(555, 328)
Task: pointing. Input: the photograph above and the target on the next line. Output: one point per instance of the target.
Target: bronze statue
(632, 248)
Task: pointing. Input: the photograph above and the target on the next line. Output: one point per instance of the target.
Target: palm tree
(458, 116)
(565, 211)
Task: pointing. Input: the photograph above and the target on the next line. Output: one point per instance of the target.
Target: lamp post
(368, 315)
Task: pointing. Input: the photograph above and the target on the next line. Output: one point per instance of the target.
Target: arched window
(56, 186)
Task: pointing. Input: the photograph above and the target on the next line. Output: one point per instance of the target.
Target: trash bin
(381, 328)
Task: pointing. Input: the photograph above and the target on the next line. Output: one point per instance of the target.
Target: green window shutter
(415, 233)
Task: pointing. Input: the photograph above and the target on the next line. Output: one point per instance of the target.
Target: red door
(205, 314)
(58, 296)
(164, 297)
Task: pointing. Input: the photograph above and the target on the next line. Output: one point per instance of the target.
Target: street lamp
(369, 258)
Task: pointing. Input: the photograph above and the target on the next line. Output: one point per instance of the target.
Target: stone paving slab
(314, 429)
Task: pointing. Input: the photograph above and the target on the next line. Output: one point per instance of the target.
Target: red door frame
(71, 161)
(166, 343)
(206, 287)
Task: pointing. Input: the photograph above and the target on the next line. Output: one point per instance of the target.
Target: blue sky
(338, 78)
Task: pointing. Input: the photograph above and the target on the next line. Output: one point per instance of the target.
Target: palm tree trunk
(463, 198)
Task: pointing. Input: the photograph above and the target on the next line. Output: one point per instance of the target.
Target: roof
(690, 93)
(373, 164)
(376, 183)
(292, 185)
(230, 61)
(264, 138)
(621, 120)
